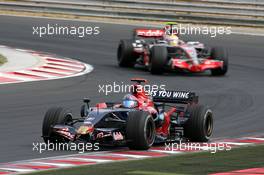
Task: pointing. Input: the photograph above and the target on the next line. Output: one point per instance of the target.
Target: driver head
(129, 101)
(172, 40)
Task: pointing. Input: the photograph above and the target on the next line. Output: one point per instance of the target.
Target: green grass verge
(2, 59)
(194, 163)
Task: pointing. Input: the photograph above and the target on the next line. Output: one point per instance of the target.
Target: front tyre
(158, 59)
(54, 116)
(140, 130)
(219, 53)
(125, 54)
(199, 126)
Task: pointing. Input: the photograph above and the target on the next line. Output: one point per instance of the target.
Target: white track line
(61, 60)
(89, 159)
(54, 164)
(65, 64)
(168, 152)
(49, 70)
(20, 170)
(18, 77)
(237, 143)
(63, 67)
(130, 155)
(41, 74)
(255, 138)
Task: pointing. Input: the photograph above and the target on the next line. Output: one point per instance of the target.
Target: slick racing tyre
(199, 126)
(55, 115)
(125, 54)
(140, 130)
(158, 59)
(218, 53)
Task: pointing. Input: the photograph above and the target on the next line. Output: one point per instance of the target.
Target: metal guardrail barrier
(248, 13)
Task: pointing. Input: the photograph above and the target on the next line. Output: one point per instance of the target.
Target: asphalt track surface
(236, 99)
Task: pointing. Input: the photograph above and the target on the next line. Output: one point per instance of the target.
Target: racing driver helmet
(129, 101)
(172, 40)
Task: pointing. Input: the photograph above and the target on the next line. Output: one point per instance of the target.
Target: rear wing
(182, 97)
(149, 33)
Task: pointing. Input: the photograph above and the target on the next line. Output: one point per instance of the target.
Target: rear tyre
(158, 59)
(140, 130)
(199, 127)
(54, 116)
(218, 53)
(125, 54)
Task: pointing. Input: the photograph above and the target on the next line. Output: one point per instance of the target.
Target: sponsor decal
(171, 94)
(85, 129)
(102, 135)
(150, 32)
(118, 136)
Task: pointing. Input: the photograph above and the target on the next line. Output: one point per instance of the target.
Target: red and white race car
(159, 52)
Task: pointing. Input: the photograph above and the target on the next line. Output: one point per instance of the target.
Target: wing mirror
(85, 107)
